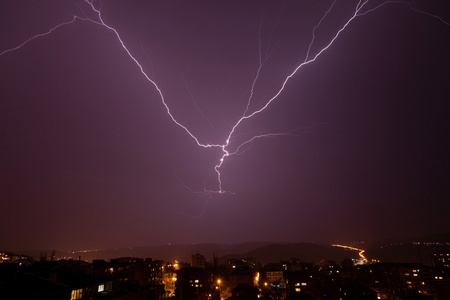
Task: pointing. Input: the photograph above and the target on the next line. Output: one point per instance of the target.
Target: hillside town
(131, 278)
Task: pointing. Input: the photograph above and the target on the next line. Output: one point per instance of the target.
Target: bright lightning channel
(360, 9)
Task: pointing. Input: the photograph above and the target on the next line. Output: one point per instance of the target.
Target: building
(441, 260)
(198, 261)
(274, 277)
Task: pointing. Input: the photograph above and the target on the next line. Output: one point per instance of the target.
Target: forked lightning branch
(360, 8)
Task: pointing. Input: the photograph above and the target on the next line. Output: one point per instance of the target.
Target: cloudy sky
(358, 139)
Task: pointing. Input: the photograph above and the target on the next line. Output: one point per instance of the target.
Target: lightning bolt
(40, 35)
(361, 8)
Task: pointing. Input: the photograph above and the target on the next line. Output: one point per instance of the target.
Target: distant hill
(435, 238)
(417, 250)
(263, 252)
(163, 252)
(410, 250)
(406, 253)
(306, 252)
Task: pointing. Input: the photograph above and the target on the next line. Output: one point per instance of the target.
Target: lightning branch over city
(227, 148)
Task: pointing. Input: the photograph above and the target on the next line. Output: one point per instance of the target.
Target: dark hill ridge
(404, 250)
(163, 252)
(305, 252)
(435, 238)
(263, 252)
(406, 253)
(442, 238)
(410, 250)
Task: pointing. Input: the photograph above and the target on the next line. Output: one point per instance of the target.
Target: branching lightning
(360, 9)
(40, 35)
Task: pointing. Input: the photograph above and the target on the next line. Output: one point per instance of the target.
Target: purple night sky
(91, 159)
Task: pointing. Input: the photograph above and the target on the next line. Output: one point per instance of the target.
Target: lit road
(360, 251)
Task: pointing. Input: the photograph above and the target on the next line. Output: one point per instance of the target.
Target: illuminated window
(303, 283)
(297, 289)
(101, 288)
(77, 294)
